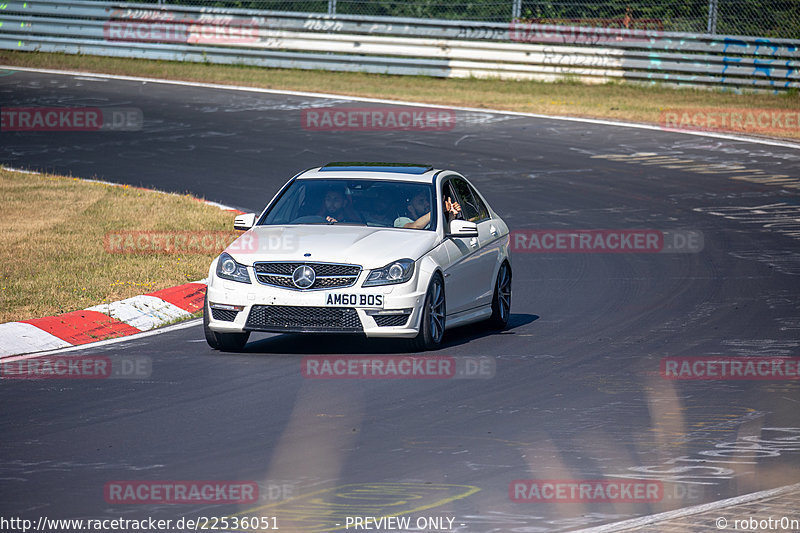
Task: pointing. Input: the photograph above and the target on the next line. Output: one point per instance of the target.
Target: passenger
(453, 209)
(379, 212)
(419, 208)
(336, 208)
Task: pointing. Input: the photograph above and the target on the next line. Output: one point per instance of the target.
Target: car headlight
(398, 271)
(228, 268)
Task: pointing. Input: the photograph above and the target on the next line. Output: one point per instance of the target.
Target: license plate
(353, 300)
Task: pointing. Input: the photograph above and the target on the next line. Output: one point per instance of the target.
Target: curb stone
(108, 320)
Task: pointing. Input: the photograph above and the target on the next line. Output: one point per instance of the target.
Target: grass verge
(54, 249)
(615, 101)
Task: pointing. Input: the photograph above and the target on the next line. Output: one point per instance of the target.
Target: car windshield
(362, 202)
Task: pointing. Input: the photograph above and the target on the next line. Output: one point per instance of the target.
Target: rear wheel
(431, 329)
(501, 302)
(227, 342)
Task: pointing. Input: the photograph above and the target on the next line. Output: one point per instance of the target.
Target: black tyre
(431, 328)
(227, 342)
(501, 301)
(232, 342)
(211, 337)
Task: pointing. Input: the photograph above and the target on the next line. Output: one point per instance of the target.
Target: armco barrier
(517, 50)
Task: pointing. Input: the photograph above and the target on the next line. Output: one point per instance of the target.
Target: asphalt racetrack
(576, 387)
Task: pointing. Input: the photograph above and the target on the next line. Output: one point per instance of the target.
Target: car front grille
(287, 318)
(224, 314)
(391, 320)
(328, 275)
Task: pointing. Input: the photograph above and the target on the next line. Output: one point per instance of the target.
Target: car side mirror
(244, 222)
(463, 228)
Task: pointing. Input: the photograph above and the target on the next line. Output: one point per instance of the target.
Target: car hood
(360, 245)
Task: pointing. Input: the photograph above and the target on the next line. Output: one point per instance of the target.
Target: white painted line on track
(730, 137)
(688, 511)
(21, 171)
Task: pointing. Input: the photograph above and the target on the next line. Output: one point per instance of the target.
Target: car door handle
(493, 230)
(473, 242)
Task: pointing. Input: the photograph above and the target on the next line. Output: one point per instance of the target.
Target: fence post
(516, 9)
(712, 16)
(331, 7)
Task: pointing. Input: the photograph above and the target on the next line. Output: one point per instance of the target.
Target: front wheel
(431, 329)
(501, 302)
(227, 342)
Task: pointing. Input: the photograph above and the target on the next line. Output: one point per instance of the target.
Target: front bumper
(278, 310)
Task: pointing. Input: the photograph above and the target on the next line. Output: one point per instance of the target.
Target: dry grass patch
(53, 252)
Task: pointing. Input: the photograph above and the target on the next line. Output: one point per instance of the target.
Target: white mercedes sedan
(376, 249)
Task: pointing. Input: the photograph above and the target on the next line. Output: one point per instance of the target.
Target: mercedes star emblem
(303, 277)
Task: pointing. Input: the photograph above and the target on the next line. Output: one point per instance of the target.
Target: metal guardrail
(427, 47)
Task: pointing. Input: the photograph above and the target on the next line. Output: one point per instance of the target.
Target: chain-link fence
(766, 18)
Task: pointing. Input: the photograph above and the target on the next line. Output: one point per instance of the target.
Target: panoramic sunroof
(403, 168)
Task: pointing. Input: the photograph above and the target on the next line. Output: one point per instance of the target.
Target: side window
(483, 213)
(472, 208)
(447, 192)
